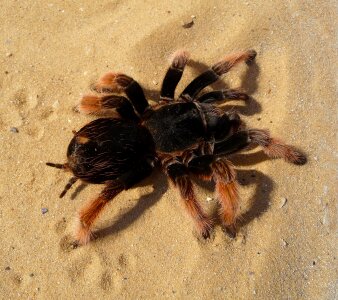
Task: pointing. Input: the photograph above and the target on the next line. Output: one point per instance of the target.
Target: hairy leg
(227, 192)
(101, 105)
(272, 147)
(118, 83)
(213, 74)
(208, 167)
(89, 213)
(231, 94)
(178, 174)
(275, 148)
(173, 75)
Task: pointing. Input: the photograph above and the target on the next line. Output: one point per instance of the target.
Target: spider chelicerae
(183, 136)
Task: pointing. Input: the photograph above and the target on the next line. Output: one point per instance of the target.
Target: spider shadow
(260, 201)
(248, 84)
(78, 190)
(160, 184)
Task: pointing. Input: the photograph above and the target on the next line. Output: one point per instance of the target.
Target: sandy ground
(51, 51)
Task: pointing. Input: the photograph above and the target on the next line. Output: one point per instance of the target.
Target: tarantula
(184, 136)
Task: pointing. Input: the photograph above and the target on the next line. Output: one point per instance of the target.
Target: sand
(51, 51)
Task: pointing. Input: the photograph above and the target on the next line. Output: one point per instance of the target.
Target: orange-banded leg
(213, 74)
(118, 83)
(224, 176)
(173, 75)
(275, 148)
(101, 105)
(179, 176)
(272, 147)
(208, 167)
(89, 213)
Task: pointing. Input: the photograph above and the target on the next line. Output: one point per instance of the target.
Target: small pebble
(31, 274)
(9, 54)
(283, 202)
(209, 199)
(14, 130)
(7, 268)
(285, 243)
(44, 210)
(56, 104)
(188, 24)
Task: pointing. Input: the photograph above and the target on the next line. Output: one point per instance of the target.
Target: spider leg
(272, 147)
(213, 74)
(178, 174)
(89, 213)
(227, 192)
(208, 167)
(275, 148)
(118, 83)
(97, 105)
(236, 142)
(173, 75)
(230, 94)
(201, 166)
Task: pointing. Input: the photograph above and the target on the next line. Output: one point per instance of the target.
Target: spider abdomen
(175, 127)
(107, 148)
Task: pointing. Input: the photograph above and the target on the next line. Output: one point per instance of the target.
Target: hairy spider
(189, 135)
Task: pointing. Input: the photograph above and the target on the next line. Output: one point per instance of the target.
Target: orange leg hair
(178, 174)
(231, 60)
(202, 221)
(107, 105)
(275, 148)
(227, 192)
(89, 213)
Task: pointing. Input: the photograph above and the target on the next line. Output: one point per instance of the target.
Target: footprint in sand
(88, 266)
(28, 104)
(92, 268)
(60, 226)
(23, 103)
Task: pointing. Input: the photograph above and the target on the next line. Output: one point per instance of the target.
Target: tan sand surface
(51, 51)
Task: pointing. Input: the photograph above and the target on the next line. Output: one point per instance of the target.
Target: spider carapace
(183, 136)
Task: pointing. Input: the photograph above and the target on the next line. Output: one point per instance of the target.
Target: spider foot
(83, 233)
(205, 227)
(251, 56)
(230, 230)
(235, 94)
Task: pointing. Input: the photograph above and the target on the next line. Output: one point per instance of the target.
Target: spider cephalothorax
(187, 135)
